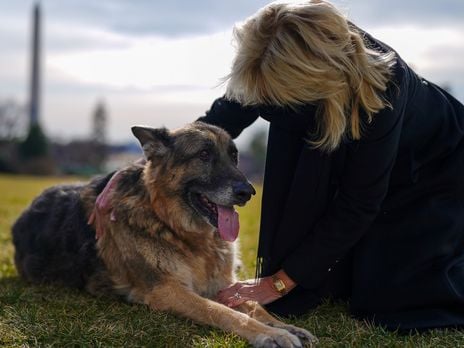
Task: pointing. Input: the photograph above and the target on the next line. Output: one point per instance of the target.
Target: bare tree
(12, 120)
(253, 157)
(98, 136)
(257, 147)
(99, 123)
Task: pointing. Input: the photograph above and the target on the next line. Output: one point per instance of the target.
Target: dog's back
(53, 242)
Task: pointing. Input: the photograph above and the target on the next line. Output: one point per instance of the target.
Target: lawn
(33, 316)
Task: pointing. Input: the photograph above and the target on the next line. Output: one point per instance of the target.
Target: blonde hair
(290, 54)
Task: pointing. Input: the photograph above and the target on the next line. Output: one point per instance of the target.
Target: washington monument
(35, 146)
(34, 101)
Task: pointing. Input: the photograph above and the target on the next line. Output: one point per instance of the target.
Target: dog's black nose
(243, 190)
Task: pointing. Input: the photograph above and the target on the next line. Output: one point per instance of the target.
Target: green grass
(48, 316)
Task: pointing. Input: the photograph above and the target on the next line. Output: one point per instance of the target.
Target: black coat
(380, 220)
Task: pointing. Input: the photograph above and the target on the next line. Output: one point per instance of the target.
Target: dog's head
(193, 179)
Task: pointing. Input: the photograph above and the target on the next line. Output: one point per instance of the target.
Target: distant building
(120, 156)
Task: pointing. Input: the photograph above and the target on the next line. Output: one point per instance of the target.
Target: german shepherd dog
(168, 243)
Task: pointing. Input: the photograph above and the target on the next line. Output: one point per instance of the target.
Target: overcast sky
(160, 62)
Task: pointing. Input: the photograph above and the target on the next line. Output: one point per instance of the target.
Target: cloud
(185, 17)
(147, 17)
(435, 53)
(74, 24)
(446, 67)
(404, 12)
(151, 61)
(62, 37)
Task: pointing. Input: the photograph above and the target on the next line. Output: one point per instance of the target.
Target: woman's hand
(261, 290)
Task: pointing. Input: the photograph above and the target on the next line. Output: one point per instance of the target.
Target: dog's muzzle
(243, 191)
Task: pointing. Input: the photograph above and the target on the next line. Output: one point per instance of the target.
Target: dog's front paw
(304, 335)
(277, 338)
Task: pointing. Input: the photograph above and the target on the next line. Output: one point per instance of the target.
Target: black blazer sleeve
(363, 187)
(230, 116)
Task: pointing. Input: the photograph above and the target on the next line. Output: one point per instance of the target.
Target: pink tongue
(228, 224)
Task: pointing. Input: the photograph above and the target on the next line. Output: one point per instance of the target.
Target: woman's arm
(230, 116)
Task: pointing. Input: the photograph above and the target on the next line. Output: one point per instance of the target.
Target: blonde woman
(363, 194)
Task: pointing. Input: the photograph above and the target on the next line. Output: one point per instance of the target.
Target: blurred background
(75, 75)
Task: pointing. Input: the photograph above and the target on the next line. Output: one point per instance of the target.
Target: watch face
(279, 284)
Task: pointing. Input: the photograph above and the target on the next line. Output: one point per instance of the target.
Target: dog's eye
(205, 156)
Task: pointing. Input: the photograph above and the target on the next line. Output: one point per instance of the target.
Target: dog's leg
(176, 298)
(256, 311)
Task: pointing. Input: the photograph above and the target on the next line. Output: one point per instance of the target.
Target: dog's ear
(155, 142)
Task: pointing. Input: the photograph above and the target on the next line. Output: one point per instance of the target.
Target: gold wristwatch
(279, 285)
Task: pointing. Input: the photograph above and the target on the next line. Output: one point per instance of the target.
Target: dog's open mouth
(224, 218)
